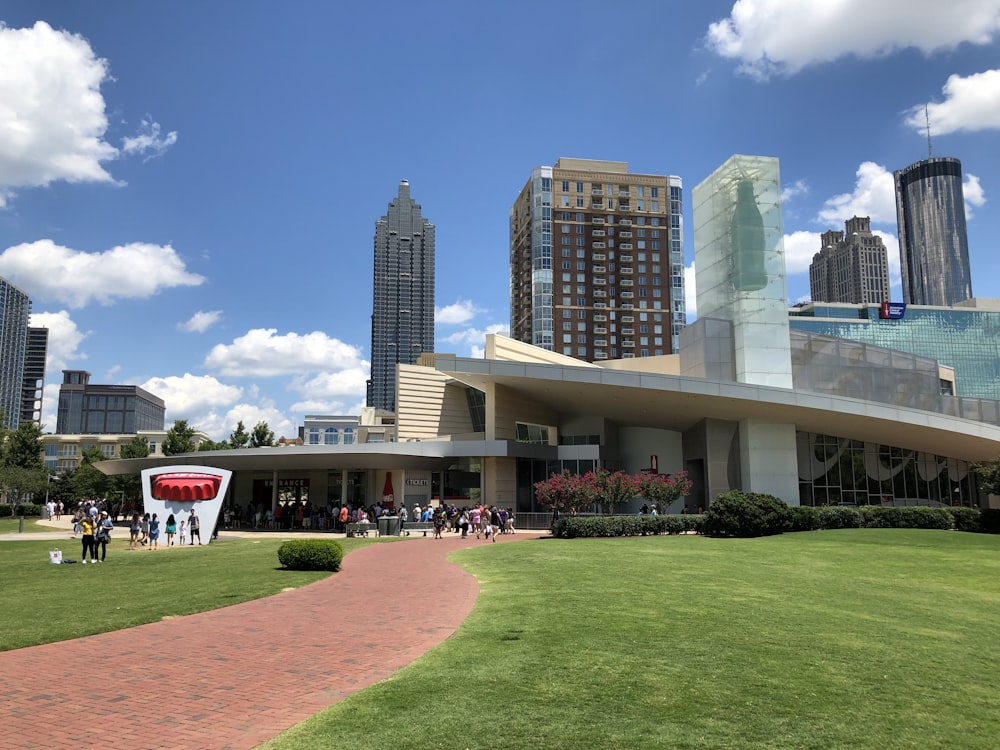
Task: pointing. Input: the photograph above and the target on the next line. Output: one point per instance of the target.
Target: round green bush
(311, 554)
(746, 514)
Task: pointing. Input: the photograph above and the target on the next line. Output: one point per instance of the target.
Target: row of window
(622, 190)
(653, 221)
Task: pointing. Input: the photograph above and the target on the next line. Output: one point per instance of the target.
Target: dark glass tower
(15, 310)
(33, 383)
(933, 246)
(403, 295)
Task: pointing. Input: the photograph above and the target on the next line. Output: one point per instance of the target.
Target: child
(135, 532)
(154, 533)
(183, 532)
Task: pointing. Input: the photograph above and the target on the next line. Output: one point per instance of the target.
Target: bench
(418, 526)
(361, 529)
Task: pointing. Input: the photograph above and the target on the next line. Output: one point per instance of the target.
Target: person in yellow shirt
(89, 526)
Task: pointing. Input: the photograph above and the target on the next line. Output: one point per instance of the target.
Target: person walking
(135, 531)
(171, 529)
(144, 528)
(402, 520)
(103, 536)
(154, 533)
(88, 526)
(194, 526)
(183, 533)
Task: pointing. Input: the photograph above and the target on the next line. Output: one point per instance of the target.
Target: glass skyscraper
(403, 295)
(933, 246)
(15, 310)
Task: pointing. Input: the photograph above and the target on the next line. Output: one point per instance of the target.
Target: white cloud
(189, 394)
(52, 272)
(347, 382)
(800, 247)
(970, 103)
(785, 36)
(974, 194)
(262, 353)
(201, 321)
(475, 338)
(874, 195)
(796, 189)
(52, 120)
(148, 142)
(460, 312)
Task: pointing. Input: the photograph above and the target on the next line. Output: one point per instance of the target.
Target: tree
(664, 489)
(23, 447)
(21, 484)
(262, 436)
(211, 445)
(989, 476)
(180, 439)
(137, 447)
(89, 482)
(565, 490)
(614, 489)
(128, 486)
(239, 438)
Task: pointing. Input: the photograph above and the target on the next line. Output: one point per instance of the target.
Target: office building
(85, 408)
(965, 336)
(851, 267)
(933, 246)
(15, 311)
(403, 295)
(33, 382)
(597, 261)
(65, 452)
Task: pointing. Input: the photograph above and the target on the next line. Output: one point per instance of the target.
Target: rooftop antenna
(927, 118)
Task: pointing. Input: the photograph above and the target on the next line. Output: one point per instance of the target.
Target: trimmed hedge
(24, 509)
(311, 554)
(747, 514)
(574, 527)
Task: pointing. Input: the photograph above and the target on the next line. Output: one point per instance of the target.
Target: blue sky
(189, 190)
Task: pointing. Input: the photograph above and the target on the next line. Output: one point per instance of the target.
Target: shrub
(311, 554)
(28, 510)
(838, 517)
(805, 518)
(746, 514)
(966, 519)
(573, 527)
(989, 522)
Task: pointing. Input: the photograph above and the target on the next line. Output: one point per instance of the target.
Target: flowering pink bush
(565, 490)
(663, 489)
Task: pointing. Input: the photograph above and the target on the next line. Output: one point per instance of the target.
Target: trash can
(388, 525)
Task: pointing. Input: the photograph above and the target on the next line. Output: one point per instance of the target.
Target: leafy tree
(137, 447)
(664, 489)
(613, 489)
(22, 484)
(211, 445)
(989, 476)
(180, 439)
(89, 482)
(239, 438)
(262, 436)
(23, 447)
(562, 491)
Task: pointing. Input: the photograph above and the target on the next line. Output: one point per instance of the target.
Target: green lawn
(9, 526)
(834, 639)
(42, 602)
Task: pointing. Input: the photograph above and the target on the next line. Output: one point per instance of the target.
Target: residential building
(933, 245)
(15, 311)
(86, 408)
(597, 261)
(330, 430)
(65, 452)
(403, 295)
(851, 268)
(33, 382)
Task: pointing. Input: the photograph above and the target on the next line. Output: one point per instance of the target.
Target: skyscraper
(33, 382)
(15, 310)
(597, 261)
(853, 269)
(933, 246)
(403, 295)
(105, 409)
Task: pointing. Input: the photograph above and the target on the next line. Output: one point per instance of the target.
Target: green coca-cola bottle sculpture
(749, 274)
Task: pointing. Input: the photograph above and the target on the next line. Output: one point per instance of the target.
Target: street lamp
(48, 480)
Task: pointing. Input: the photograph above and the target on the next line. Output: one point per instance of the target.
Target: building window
(330, 437)
(565, 186)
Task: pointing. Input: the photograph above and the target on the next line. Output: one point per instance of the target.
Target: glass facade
(933, 245)
(965, 338)
(836, 470)
(15, 310)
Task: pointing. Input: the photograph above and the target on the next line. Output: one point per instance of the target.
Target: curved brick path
(242, 674)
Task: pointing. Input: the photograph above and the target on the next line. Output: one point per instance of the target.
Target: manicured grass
(855, 638)
(31, 525)
(43, 603)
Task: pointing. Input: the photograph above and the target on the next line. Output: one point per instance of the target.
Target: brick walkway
(238, 676)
